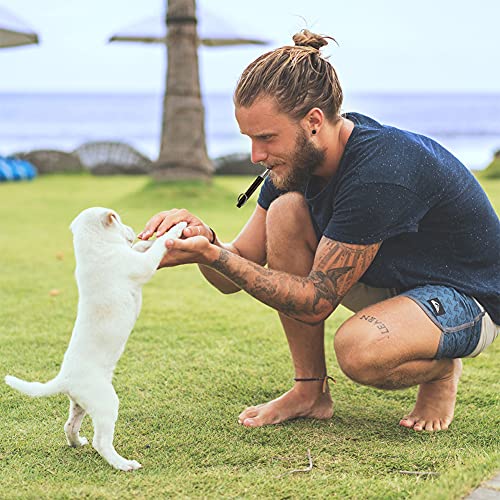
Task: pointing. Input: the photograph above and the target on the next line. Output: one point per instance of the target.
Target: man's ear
(108, 218)
(313, 121)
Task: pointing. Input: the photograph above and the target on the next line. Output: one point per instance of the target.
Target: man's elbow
(316, 316)
(313, 321)
(229, 289)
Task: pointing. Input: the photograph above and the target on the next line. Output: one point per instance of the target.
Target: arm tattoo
(312, 298)
(327, 287)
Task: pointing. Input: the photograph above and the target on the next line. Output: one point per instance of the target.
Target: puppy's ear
(108, 218)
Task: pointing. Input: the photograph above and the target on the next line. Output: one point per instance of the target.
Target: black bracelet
(325, 380)
(213, 236)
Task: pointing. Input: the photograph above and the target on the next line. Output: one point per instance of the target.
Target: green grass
(492, 171)
(195, 359)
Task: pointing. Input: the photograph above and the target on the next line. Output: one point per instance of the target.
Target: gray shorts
(466, 327)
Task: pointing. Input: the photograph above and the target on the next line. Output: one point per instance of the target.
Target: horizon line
(109, 92)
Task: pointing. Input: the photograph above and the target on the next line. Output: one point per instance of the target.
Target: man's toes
(245, 411)
(444, 425)
(253, 422)
(419, 425)
(430, 426)
(248, 422)
(248, 413)
(407, 422)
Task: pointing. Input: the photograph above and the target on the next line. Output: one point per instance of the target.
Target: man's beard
(304, 160)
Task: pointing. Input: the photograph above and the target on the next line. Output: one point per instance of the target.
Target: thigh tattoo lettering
(373, 320)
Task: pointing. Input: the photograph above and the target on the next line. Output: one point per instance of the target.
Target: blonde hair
(297, 76)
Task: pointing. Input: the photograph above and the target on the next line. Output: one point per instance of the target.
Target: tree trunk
(183, 151)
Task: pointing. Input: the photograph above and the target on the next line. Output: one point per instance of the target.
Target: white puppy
(109, 273)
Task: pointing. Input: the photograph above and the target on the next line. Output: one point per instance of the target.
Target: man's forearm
(309, 299)
(218, 280)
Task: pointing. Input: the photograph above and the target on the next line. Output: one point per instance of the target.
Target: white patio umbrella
(14, 32)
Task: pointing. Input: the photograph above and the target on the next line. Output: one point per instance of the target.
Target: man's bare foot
(299, 402)
(435, 403)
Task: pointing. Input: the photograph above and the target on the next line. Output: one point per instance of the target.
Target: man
(385, 221)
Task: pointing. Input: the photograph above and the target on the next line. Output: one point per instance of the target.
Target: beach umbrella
(212, 31)
(183, 150)
(14, 32)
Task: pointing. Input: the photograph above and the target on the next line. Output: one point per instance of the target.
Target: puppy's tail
(34, 389)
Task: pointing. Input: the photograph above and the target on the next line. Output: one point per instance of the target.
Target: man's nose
(258, 154)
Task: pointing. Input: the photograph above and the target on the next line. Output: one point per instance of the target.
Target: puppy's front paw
(142, 246)
(173, 233)
(176, 231)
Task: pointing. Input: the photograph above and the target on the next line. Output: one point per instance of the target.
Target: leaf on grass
(307, 469)
(418, 473)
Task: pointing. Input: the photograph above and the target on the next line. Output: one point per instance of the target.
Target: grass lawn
(195, 359)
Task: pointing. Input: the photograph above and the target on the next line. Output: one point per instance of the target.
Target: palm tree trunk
(183, 151)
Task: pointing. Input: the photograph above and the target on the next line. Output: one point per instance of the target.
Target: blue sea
(466, 124)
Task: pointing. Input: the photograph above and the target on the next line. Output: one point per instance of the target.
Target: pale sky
(385, 45)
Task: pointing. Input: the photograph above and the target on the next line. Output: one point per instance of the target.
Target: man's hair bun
(306, 38)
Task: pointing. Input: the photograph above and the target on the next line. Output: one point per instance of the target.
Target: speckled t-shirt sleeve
(367, 213)
(268, 193)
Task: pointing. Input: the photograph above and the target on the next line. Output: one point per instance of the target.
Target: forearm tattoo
(336, 268)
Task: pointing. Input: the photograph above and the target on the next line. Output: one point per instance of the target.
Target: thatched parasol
(14, 32)
(213, 31)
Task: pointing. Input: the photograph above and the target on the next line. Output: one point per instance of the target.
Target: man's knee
(357, 358)
(288, 222)
(288, 213)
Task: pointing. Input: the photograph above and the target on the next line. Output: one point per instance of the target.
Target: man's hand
(163, 221)
(194, 250)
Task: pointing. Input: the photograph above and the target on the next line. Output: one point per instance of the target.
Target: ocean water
(466, 124)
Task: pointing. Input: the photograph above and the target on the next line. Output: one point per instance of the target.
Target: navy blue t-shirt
(405, 190)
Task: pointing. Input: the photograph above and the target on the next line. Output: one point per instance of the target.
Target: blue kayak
(13, 169)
